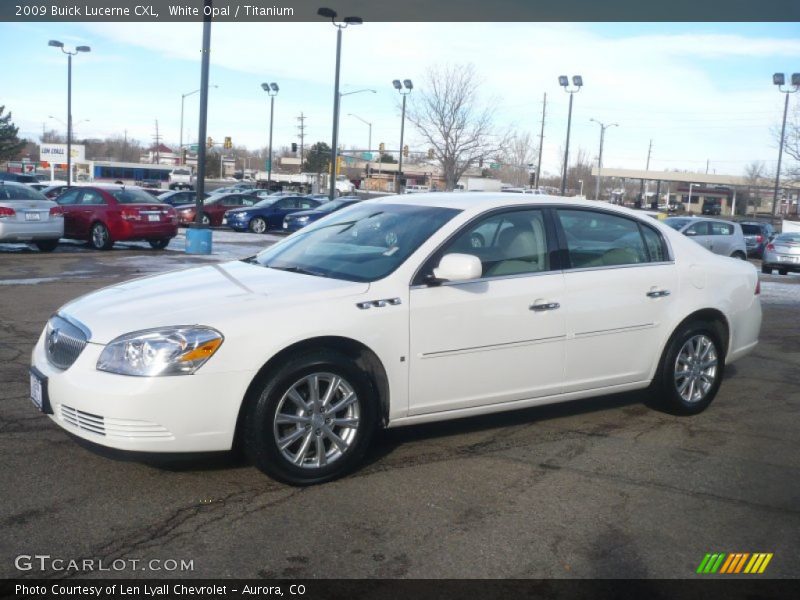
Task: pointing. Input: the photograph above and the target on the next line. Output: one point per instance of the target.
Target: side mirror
(458, 267)
(690, 233)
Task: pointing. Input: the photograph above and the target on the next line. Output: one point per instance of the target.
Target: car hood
(225, 296)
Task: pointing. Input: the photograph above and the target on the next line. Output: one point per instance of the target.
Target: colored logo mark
(736, 562)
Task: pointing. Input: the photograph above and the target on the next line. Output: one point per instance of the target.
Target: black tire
(739, 255)
(159, 244)
(783, 272)
(766, 270)
(259, 428)
(46, 245)
(668, 381)
(258, 225)
(100, 238)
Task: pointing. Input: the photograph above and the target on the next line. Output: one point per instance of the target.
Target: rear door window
(700, 228)
(597, 239)
(721, 229)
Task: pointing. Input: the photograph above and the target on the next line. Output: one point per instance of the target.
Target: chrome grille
(63, 342)
(83, 420)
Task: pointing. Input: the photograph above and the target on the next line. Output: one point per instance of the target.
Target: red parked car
(106, 214)
(214, 207)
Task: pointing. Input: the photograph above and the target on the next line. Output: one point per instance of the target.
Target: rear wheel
(159, 244)
(739, 255)
(46, 245)
(258, 225)
(691, 368)
(100, 238)
(311, 420)
(783, 272)
(766, 270)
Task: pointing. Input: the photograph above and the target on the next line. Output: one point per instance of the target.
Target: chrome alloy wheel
(99, 236)
(696, 368)
(258, 225)
(316, 420)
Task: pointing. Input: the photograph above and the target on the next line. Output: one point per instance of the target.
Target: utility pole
(707, 161)
(302, 136)
(647, 168)
(157, 141)
(541, 143)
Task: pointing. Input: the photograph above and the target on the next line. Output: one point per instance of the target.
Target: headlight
(156, 352)
(302, 219)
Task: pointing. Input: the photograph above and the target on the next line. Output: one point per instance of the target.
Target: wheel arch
(715, 317)
(360, 353)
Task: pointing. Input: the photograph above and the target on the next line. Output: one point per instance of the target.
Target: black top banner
(402, 10)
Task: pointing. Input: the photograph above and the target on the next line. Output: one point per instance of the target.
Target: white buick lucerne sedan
(392, 312)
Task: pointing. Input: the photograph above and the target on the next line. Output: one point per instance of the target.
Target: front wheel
(159, 244)
(258, 225)
(100, 238)
(691, 369)
(766, 270)
(783, 272)
(311, 420)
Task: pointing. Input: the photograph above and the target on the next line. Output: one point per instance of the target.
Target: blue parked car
(267, 214)
(298, 220)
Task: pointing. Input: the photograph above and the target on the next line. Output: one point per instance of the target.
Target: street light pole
(272, 90)
(57, 44)
(563, 81)
(331, 14)
(408, 85)
(180, 142)
(603, 128)
(368, 124)
(779, 80)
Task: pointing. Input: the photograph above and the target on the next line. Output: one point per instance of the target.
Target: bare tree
(515, 158)
(791, 147)
(754, 175)
(448, 114)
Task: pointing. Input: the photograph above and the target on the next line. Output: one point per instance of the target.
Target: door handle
(658, 293)
(544, 306)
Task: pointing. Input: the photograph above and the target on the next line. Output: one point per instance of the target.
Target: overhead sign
(57, 153)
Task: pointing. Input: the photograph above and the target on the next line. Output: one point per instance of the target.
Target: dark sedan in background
(269, 213)
(756, 237)
(298, 220)
(179, 197)
(214, 207)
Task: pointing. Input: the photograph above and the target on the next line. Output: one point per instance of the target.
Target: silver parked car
(718, 236)
(26, 215)
(782, 253)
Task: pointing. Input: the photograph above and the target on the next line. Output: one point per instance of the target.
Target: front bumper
(189, 413)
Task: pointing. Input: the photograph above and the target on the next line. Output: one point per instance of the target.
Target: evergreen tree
(10, 144)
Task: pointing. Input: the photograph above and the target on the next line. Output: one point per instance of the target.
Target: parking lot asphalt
(608, 487)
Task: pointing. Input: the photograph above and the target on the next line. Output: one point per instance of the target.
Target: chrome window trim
(484, 279)
(607, 267)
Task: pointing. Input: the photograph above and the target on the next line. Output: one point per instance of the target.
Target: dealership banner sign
(57, 153)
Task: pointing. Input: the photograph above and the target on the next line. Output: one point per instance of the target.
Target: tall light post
(603, 128)
(183, 98)
(272, 91)
(343, 94)
(779, 79)
(563, 81)
(57, 44)
(328, 13)
(404, 90)
(368, 124)
(581, 182)
(691, 185)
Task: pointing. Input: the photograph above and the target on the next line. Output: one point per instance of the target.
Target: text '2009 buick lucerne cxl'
(392, 312)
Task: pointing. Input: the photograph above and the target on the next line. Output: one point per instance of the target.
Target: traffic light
(405, 150)
(209, 142)
(381, 147)
(430, 152)
(228, 143)
(294, 147)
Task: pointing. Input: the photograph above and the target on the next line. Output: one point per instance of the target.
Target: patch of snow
(773, 292)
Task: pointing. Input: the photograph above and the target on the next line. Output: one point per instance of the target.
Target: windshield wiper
(300, 270)
(252, 260)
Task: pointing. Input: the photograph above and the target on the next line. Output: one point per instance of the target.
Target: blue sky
(699, 91)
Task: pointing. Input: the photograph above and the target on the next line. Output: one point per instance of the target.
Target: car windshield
(791, 238)
(676, 223)
(749, 229)
(19, 192)
(360, 243)
(133, 196)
